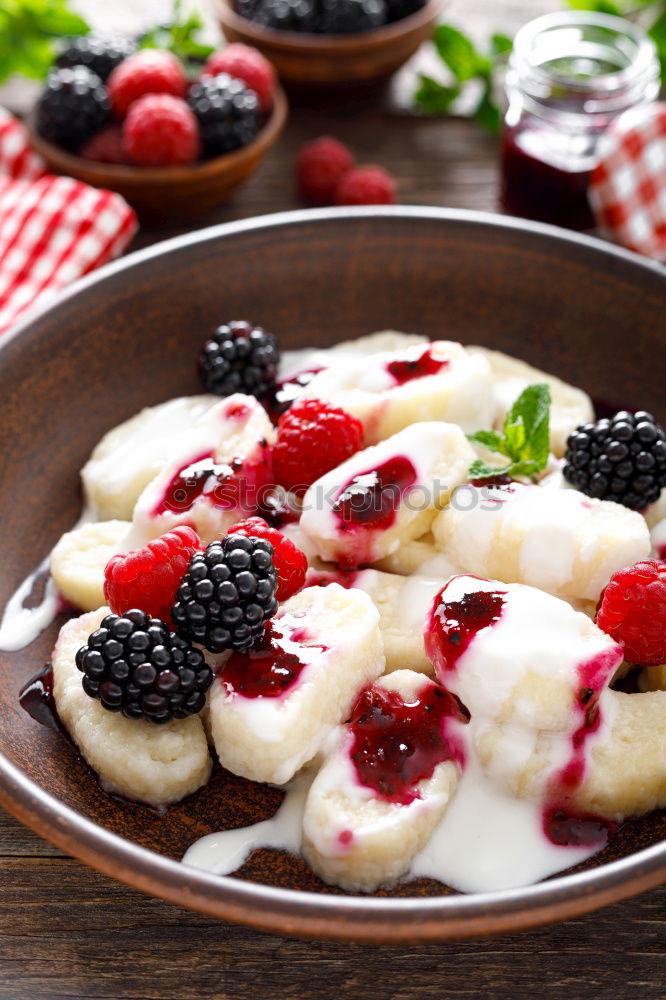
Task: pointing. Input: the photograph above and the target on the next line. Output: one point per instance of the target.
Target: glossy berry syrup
(272, 667)
(371, 499)
(287, 391)
(36, 698)
(563, 824)
(425, 364)
(239, 484)
(453, 624)
(397, 744)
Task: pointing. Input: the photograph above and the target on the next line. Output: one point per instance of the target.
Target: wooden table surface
(66, 931)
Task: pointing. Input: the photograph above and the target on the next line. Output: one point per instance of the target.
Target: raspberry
(313, 438)
(248, 65)
(148, 578)
(320, 166)
(106, 147)
(290, 562)
(632, 610)
(150, 71)
(228, 594)
(161, 131)
(134, 665)
(366, 186)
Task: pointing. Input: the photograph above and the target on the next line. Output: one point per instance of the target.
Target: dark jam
(371, 499)
(453, 624)
(534, 189)
(568, 829)
(287, 391)
(397, 744)
(268, 670)
(36, 698)
(241, 483)
(425, 364)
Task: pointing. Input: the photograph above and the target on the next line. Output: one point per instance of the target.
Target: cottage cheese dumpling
(570, 407)
(216, 476)
(402, 603)
(271, 711)
(134, 452)
(374, 804)
(386, 495)
(423, 382)
(157, 764)
(78, 561)
(560, 541)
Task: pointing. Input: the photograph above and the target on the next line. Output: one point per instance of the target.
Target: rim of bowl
(296, 41)
(303, 913)
(109, 174)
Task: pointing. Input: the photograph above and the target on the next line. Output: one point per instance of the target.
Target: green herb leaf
(434, 98)
(459, 53)
(500, 45)
(599, 6)
(525, 438)
(486, 112)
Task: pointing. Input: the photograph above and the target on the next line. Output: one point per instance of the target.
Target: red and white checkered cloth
(52, 229)
(628, 186)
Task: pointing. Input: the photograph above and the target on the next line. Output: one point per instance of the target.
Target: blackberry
(227, 112)
(280, 15)
(239, 357)
(341, 17)
(72, 107)
(99, 54)
(134, 665)
(227, 594)
(621, 459)
(397, 9)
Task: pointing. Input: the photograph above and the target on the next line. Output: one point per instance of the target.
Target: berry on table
(73, 106)
(245, 64)
(239, 357)
(313, 437)
(133, 664)
(227, 112)
(622, 458)
(148, 578)
(227, 594)
(320, 166)
(161, 131)
(290, 563)
(99, 53)
(366, 186)
(338, 17)
(632, 610)
(150, 71)
(106, 146)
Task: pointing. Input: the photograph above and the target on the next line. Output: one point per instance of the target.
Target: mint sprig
(525, 437)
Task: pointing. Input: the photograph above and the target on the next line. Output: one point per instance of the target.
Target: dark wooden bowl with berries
(335, 57)
(173, 147)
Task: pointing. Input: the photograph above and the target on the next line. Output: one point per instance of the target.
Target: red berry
(632, 610)
(290, 562)
(150, 71)
(248, 65)
(320, 166)
(366, 186)
(148, 578)
(161, 131)
(313, 438)
(106, 146)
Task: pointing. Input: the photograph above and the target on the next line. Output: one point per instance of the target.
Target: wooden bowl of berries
(136, 123)
(331, 44)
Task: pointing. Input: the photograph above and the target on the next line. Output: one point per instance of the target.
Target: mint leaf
(487, 114)
(525, 437)
(459, 53)
(434, 98)
(500, 45)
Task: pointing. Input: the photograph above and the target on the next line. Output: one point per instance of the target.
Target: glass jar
(569, 76)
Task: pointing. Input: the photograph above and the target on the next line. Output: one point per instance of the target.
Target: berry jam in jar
(570, 75)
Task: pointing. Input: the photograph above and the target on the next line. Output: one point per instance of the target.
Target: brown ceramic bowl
(172, 194)
(324, 62)
(127, 337)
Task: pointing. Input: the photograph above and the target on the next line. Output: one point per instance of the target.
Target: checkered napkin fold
(52, 229)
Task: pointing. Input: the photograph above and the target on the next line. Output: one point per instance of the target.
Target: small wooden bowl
(331, 62)
(171, 194)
